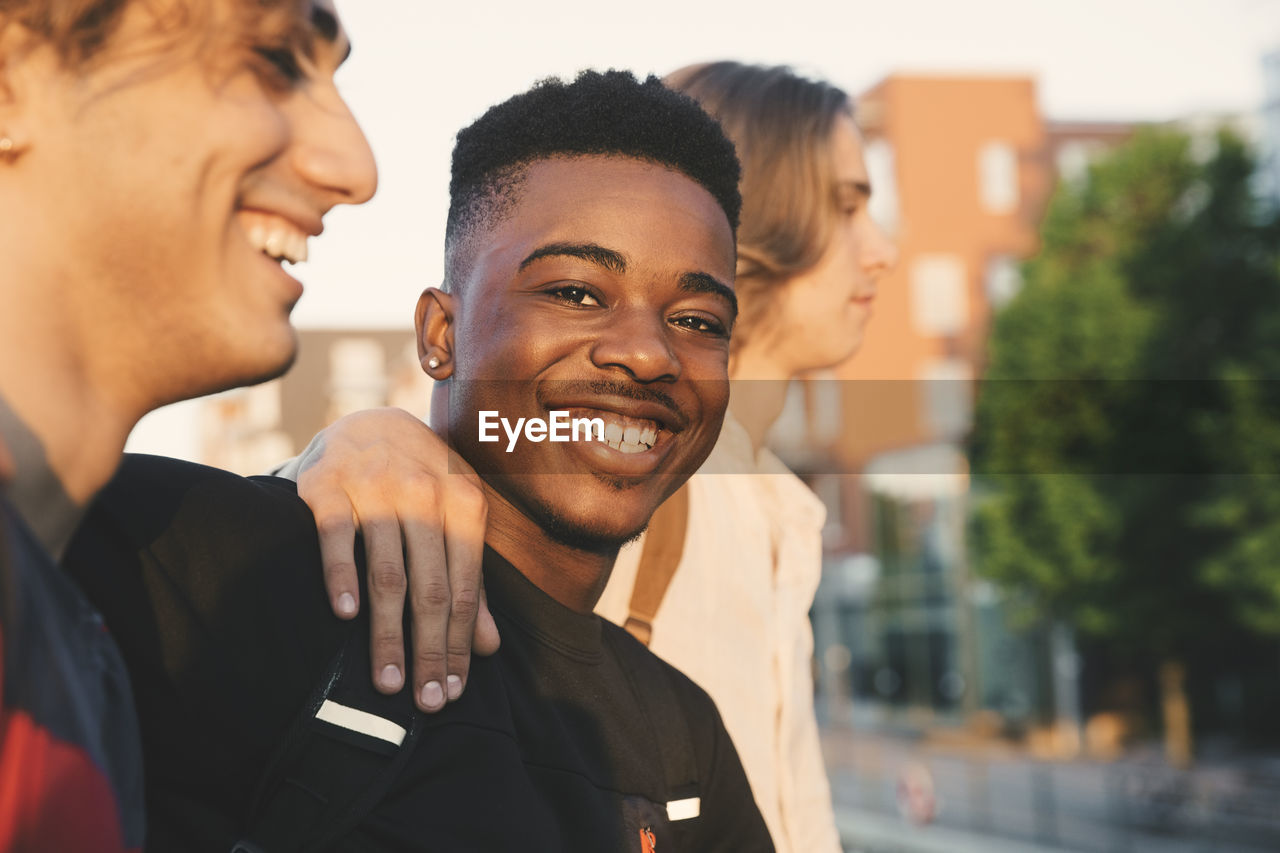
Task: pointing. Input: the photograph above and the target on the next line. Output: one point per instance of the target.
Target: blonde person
(734, 616)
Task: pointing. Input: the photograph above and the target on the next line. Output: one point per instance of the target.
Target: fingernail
(390, 677)
(455, 687)
(346, 604)
(432, 695)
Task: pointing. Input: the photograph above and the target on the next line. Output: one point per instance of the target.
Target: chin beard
(584, 536)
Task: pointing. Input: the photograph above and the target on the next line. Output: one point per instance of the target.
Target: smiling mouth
(277, 238)
(622, 433)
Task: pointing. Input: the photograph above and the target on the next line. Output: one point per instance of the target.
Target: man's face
(169, 184)
(605, 292)
(822, 313)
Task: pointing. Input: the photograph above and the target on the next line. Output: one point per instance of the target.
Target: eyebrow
(598, 255)
(690, 282)
(700, 282)
(863, 188)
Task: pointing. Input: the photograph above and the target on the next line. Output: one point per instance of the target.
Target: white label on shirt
(360, 721)
(684, 809)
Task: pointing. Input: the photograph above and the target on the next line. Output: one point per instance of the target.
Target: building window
(1004, 280)
(939, 297)
(948, 397)
(884, 185)
(998, 177)
(357, 376)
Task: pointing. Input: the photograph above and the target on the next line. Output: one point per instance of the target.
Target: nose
(635, 340)
(879, 251)
(331, 152)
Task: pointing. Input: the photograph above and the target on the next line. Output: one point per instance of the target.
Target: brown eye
(575, 295)
(700, 324)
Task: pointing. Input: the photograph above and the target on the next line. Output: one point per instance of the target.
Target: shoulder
(190, 543)
(154, 494)
(183, 538)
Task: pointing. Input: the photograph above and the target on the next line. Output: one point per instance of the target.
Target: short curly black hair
(608, 112)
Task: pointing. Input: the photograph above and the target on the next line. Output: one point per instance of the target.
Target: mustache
(618, 388)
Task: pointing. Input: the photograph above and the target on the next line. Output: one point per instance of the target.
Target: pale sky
(420, 70)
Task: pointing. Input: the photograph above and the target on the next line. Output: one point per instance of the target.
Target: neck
(759, 393)
(63, 434)
(56, 470)
(571, 576)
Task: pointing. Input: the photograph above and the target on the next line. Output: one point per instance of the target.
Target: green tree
(1127, 436)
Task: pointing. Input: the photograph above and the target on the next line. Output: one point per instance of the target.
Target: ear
(12, 36)
(433, 321)
(24, 64)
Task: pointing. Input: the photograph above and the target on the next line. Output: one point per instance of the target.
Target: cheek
(705, 363)
(812, 308)
(840, 269)
(717, 402)
(508, 345)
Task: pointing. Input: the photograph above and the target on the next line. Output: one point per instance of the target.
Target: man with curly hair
(589, 267)
(160, 162)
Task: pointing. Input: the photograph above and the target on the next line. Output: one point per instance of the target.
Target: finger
(429, 604)
(337, 531)
(466, 512)
(486, 640)
(384, 550)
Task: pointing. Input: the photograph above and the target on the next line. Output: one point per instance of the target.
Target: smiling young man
(589, 267)
(157, 161)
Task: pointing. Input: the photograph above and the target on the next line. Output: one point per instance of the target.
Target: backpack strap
(340, 756)
(659, 559)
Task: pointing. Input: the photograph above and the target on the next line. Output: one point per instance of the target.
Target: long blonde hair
(782, 126)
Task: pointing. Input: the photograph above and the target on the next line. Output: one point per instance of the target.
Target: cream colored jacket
(735, 619)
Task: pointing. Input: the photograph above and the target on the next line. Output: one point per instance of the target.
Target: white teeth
(628, 435)
(280, 242)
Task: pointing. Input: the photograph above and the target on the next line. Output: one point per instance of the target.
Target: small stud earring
(6, 144)
(433, 362)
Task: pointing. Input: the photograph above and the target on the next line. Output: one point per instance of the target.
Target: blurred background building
(962, 169)
(251, 430)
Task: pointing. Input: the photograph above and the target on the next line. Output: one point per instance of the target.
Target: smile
(622, 433)
(640, 435)
(275, 237)
(633, 450)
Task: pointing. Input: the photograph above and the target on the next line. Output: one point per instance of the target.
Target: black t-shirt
(214, 590)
